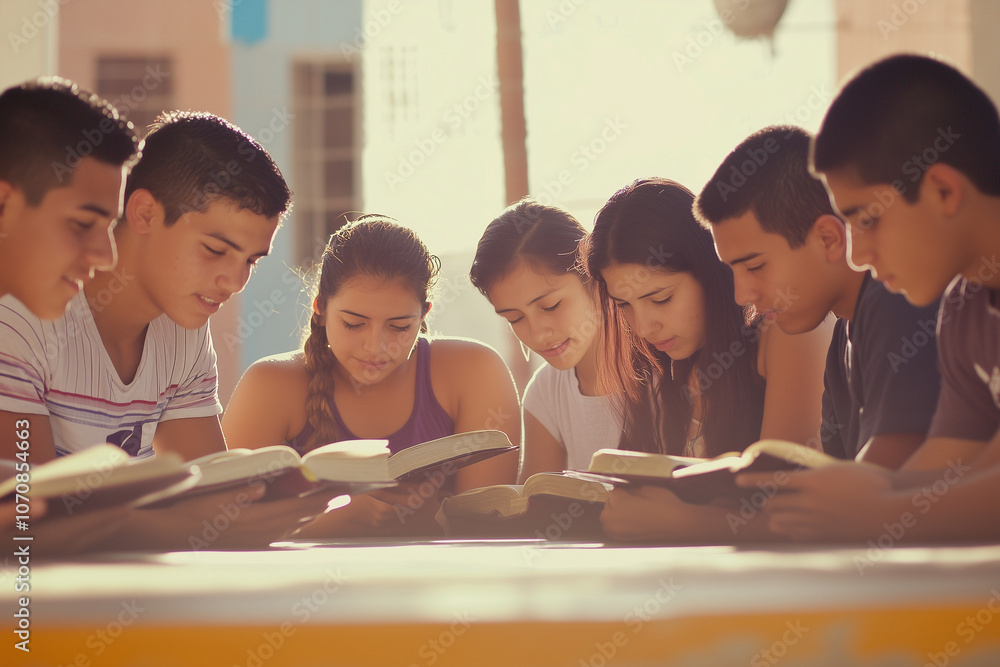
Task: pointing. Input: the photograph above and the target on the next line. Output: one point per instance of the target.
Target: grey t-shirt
(969, 350)
(881, 371)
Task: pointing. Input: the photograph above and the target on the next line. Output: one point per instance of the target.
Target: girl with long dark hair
(700, 374)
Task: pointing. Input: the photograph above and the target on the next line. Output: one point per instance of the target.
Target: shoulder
(967, 320)
(543, 382)
(456, 353)
(276, 385)
(963, 299)
(280, 372)
(184, 351)
(887, 324)
(23, 335)
(15, 316)
(461, 367)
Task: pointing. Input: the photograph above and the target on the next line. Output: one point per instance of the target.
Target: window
(326, 152)
(139, 87)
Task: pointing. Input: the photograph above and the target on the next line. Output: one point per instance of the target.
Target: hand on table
(844, 502)
(56, 536)
(654, 513)
(232, 519)
(396, 511)
(59, 536)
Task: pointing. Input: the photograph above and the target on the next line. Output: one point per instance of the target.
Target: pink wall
(871, 29)
(189, 32)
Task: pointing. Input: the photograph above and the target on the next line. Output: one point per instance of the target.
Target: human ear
(831, 233)
(944, 186)
(6, 192)
(142, 210)
(319, 314)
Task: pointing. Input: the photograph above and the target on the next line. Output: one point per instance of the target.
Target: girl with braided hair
(366, 370)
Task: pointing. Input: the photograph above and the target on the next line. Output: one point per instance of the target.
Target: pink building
(147, 56)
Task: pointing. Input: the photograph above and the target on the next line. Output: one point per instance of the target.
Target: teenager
(366, 371)
(527, 265)
(908, 152)
(131, 360)
(57, 210)
(788, 253)
(701, 374)
(64, 153)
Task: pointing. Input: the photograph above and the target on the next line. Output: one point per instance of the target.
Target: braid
(319, 367)
(372, 245)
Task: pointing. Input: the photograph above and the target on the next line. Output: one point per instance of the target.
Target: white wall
(29, 30)
(614, 90)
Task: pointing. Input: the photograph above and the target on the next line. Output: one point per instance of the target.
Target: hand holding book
(703, 481)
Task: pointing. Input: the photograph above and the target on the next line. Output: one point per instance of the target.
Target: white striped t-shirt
(60, 369)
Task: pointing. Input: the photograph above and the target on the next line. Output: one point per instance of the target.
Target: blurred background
(440, 113)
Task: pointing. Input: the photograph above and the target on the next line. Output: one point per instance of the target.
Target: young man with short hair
(788, 252)
(909, 153)
(64, 154)
(131, 362)
(55, 224)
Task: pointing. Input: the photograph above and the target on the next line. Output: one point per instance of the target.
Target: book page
(460, 448)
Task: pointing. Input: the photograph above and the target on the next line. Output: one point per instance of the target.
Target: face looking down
(52, 250)
(554, 315)
(666, 309)
(372, 326)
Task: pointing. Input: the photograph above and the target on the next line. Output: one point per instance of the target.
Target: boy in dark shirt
(909, 153)
(787, 249)
(775, 227)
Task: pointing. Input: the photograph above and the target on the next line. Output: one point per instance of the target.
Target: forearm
(690, 524)
(191, 437)
(500, 469)
(890, 450)
(152, 530)
(955, 507)
(706, 524)
(936, 453)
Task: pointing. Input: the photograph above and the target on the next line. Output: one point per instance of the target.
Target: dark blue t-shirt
(881, 371)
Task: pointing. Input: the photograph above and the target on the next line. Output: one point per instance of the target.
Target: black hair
(191, 160)
(545, 236)
(650, 224)
(49, 125)
(900, 115)
(768, 175)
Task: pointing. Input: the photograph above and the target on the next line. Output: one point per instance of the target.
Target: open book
(448, 453)
(346, 467)
(551, 505)
(99, 476)
(703, 481)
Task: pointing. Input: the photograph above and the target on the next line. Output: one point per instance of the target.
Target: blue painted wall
(267, 37)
